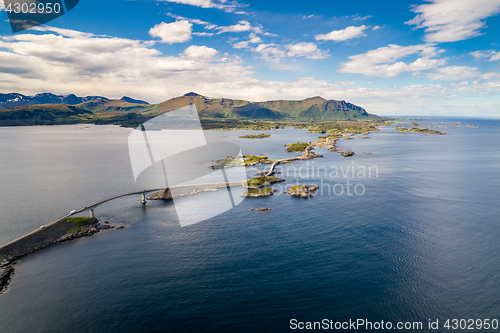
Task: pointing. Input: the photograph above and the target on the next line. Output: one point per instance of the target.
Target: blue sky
(437, 57)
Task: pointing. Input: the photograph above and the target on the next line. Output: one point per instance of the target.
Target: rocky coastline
(60, 232)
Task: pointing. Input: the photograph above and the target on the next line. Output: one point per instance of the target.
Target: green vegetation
(296, 188)
(258, 136)
(80, 223)
(298, 146)
(244, 160)
(260, 191)
(417, 129)
(261, 181)
(1, 257)
(252, 159)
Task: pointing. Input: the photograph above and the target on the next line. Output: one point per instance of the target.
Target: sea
(406, 231)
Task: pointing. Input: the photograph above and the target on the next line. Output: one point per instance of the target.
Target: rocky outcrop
(165, 194)
(346, 153)
(302, 191)
(6, 271)
(264, 173)
(85, 231)
(263, 209)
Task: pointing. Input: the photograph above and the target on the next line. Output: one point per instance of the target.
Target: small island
(297, 147)
(415, 127)
(258, 136)
(259, 193)
(243, 160)
(302, 191)
(262, 181)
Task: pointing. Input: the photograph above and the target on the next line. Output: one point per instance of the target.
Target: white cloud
(200, 52)
(208, 25)
(346, 83)
(175, 32)
(2, 6)
(208, 34)
(86, 64)
(308, 50)
(240, 27)
(376, 27)
(242, 45)
(453, 20)
(492, 55)
(310, 16)
(382, 61)
(361, 18)
(254, 39)
(69, 61)
(454, 73)
(342, 35)
(220, 4)
(275, 52)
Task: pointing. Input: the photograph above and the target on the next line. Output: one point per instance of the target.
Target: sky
(434, 58)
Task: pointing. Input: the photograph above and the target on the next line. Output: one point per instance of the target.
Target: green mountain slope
(126, 113)
(45, 114)
(314, 108)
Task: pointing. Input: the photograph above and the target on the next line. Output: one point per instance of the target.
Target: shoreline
(57, 232)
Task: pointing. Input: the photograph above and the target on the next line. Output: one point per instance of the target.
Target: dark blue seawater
(421, 242)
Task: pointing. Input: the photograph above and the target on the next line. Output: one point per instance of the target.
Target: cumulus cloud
(383, 62)
(275, 52)
(454, 73)
(253, 39)
(175, 32)
(270, 51)
(308, 50)
(200, 52)
(241, 26)
(489, 55)
(453, 20)
(344, 34)
(85, 64)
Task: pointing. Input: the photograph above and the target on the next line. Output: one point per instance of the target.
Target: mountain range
(15, 99)
(18, 109)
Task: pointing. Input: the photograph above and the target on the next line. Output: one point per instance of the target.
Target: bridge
(55, 228)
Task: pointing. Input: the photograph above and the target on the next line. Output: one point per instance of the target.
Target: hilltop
(314, 108)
